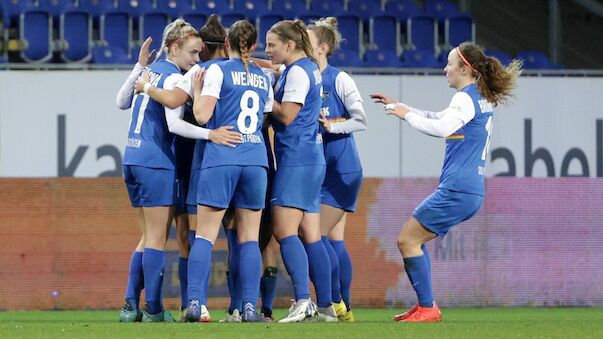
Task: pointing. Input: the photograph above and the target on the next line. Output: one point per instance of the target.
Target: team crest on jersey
(325, 95)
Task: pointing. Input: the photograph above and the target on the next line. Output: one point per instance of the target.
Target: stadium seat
(109, 55)
(365, 8)
(503, 57)
(152, 25)
(422, 33)
(343, 58)
(419, 59)
(381, 58)
(384, 33)
(534, 60)
(135, 7)
(228, 19)
(458, 29)
(174, 8)
(350, 27)
(208, 7)
(309, 18)
(96, 7)
(263, 24)
(35, 29)
(440, 9)
(56, 7)
(402, 9)
(76, 30)
(116, 30)
(327, 8)
(197, 20)
(290, 9)
(252, 9)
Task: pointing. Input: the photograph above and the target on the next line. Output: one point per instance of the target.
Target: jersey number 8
(249, 112)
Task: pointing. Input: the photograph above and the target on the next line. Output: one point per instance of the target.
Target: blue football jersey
(340, 150)
(467, 148)
(242, 99)
(300, 143)
(150, 143)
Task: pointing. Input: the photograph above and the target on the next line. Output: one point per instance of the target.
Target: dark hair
(294, 30)
(213, 34)
(241, 36)
(327, 33)
(494, 81)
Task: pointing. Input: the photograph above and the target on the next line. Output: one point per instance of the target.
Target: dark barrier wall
(65, 244)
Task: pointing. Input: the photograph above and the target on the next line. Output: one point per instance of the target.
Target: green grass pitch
(370, 323)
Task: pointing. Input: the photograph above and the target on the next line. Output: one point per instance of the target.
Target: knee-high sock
(296, 262)
(320, 272)
(427, 261)
(250, 270)
(191, 238)
(418, 274)
(153, 263)
(335, 290)
(183, 275)
(199, 265)
(135, 280)
(268, 289)
(233, 277)
(345, 270)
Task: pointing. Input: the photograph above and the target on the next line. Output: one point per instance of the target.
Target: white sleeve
(297, 85)
(186, 81)
(459, 113)
(269, 101)
(173, 116)
(352, 101)
(212, 83)
(126, 92)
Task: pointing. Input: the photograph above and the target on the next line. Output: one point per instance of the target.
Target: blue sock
(320, 272)
(268, 289)
(199, 264)
(427, 261)
(335, 291)
(135, 280)
(345, 270)
(250, 270)
(233, 277)
(191, 238)
(416, 268)
(296, 262)
(153, 262)
(183, 275)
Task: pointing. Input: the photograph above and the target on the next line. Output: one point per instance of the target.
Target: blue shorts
(444, 209)
(341, 190)
(244, 186)
(298, 186)
(191, 196)
(149, 187)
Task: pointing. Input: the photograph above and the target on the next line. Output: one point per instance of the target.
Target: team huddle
(199, 150)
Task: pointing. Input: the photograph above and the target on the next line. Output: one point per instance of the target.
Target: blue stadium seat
(350, 27)
(174, 8)
(402, 9)
(35, 28)
(422, 33)
(228, 19)
(76, 29)
(384, 32)
(503, 57)
(440, 9)
(135, 7)
(197, 20)
(208, 7)
(251, 8)
(109, 55)
(12, 9)
(263, 24)
(343, 58)
(116, 30)
(535, 60)
(365, 8)
(327, 8)
(56, 7)
(459, 29)
(290, 9)
(381, 58)
(309, 18)
(152, 25)
(419, 59)
(96, 7)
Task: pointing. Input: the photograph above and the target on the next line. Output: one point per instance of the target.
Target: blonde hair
(241, 36)
(176, 32)
(294, 30)
(327, 33)
(494, 81)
